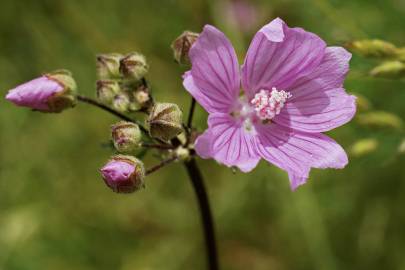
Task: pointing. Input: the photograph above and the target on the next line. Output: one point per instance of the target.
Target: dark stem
(205, 211)
(157, 146)
(161, 165)
(110, 110)
(191, 113)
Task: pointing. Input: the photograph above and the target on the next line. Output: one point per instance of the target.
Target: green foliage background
(56, 213)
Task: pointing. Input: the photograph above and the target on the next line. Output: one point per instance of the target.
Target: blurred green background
(56, 212)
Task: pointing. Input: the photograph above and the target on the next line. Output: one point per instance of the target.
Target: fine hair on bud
(108, 66)
(126, 136)
(133, 66)
(182, 45)
(106, 90)
(124, 174)
(165, 121)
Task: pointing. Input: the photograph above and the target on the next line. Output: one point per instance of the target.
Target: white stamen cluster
(268, 104)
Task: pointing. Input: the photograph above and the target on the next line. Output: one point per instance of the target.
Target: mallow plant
(275, 106)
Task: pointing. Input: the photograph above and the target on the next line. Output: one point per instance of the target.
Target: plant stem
(161, 165)
(205, 211)
(110, 110)
(157, 146)
(191, 113)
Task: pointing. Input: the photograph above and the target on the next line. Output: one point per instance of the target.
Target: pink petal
(214, 77)
(318, 102)
(296, 152)
(228, 143)
(279, 55)
(35, 93)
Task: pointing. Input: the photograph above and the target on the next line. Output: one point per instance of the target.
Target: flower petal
(296, 152)
(214, 79)
(318, 102)
(279, 55)
(35, 93)
(228, 143)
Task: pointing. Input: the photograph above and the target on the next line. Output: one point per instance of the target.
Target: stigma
(267, 104)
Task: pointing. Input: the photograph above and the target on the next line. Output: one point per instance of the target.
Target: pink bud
(124, 174)
(49, 93)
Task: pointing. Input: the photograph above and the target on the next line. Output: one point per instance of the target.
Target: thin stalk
(157, 146)
(110, 110)
(205, 212)
(161, 165)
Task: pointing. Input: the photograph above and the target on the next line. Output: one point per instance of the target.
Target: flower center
(268, 104)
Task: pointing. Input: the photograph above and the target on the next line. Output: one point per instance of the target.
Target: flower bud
(133, 66)
(126, 136)
(107, 90)
(165, 121)
(121, 102)
(182, 45)
(124, 174)
(108, 66)
(51, 92)
(389, 69)
(373, 48)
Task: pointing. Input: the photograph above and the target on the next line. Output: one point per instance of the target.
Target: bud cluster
(121, 82)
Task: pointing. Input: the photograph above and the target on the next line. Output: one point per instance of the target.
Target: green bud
(133, 66)
(373, 48)
(182, 45)
(165, 121)
(363, 147)
(389, 69)
(108, 66)
(67, 97)
(380, 119)
(126, 136)
(121, 102)
(107, 90)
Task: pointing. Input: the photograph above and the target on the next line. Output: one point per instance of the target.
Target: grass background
(56, 213)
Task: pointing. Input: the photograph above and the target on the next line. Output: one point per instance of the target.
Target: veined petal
(214, 79)
(279, 55)
(228, 143)
(318, 103)
(296, 152)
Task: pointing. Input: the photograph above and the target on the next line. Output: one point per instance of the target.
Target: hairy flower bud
(124, 174)
(121, 102)
(165, 121)
(108, 66)
(182, 45)
(389, 69)
(133, 66)
(126, 136)
(51, 92)
(373, 48)
(107, 90)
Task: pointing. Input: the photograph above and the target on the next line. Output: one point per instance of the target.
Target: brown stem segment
(161, 165)
(157, 146)
(205, 211)
(110, 110)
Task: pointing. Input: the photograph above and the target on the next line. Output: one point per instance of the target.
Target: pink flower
(53, 92)
(292, 90)
(124, 174)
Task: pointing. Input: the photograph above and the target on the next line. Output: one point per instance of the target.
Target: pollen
(267, 104)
